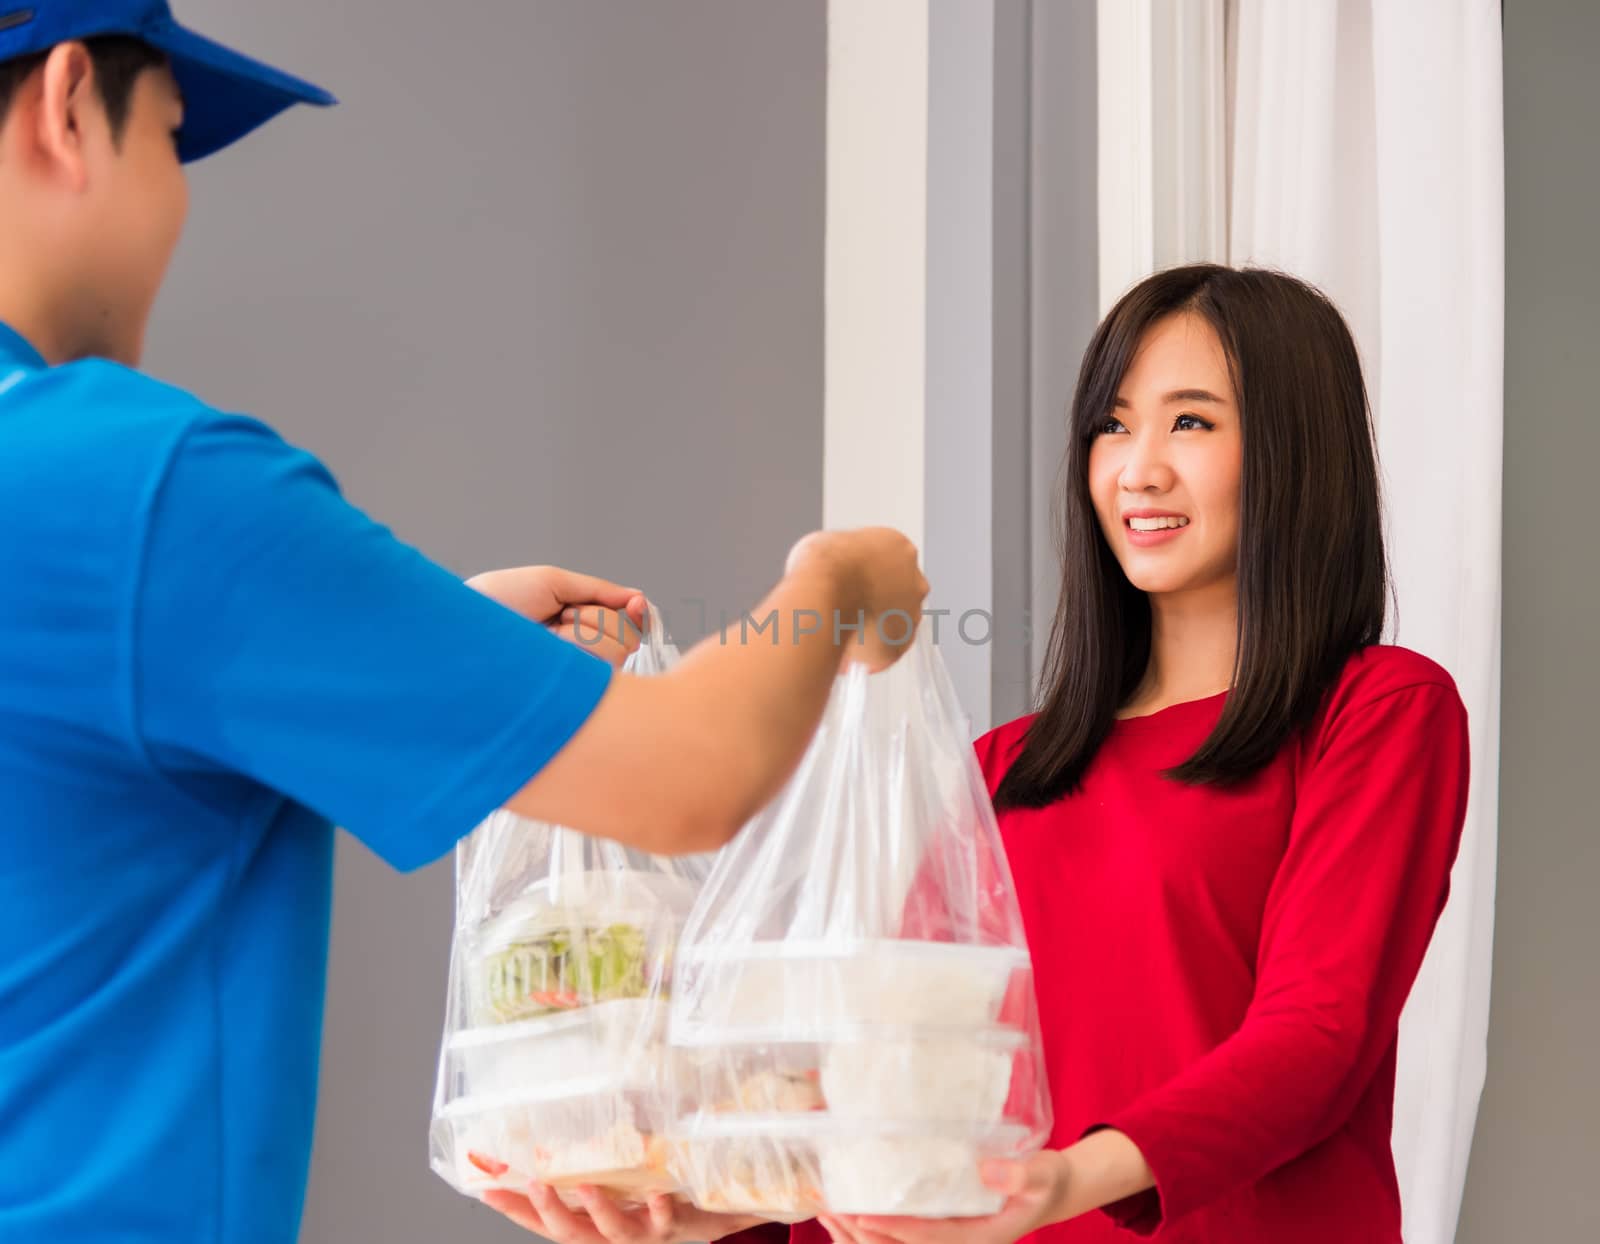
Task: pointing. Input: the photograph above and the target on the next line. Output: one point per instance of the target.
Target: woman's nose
(1146, 468)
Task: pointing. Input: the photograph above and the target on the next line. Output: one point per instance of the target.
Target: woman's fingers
(615, 1225)
(849, 1230)
(903, 1230)
(560, 1223)
(663, 1216)
(840, 1231)
(517, 1208)
(603, 1221)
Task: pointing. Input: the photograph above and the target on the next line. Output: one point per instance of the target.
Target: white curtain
(1367, 157)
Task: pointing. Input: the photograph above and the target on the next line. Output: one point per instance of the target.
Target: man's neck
(25, 314)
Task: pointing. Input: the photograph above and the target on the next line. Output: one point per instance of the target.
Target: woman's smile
(1149, 528)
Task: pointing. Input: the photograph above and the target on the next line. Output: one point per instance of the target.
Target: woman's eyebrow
(1178, 395)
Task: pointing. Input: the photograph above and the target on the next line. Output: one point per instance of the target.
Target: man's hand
(880, 587)
(1037, 1191)
(742, 713)
(603, 1221)
(601, 617)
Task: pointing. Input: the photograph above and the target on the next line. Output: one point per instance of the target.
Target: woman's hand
(1036, 1191)
(603, 1221)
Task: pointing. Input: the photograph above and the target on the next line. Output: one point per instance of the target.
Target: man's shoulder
(100, 391)
(96, 418)
(120, 444)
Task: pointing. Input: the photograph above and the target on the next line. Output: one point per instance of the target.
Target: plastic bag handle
(569, 848)
(656, 652)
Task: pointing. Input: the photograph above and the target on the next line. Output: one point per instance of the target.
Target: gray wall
(547, 286)
(1532, 1175)
(1013, 258)
(1064, 279)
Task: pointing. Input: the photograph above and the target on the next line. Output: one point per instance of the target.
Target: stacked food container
(554, 1064)
(853, 1004)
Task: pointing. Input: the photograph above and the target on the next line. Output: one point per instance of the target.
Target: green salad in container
(561, 969)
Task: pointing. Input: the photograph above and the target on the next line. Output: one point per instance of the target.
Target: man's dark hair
(118, 62)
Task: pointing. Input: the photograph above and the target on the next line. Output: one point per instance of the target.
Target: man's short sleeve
(280, 634)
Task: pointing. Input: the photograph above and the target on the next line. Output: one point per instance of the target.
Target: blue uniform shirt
(207, 659)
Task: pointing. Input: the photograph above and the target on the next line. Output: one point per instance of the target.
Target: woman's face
(1165, 466)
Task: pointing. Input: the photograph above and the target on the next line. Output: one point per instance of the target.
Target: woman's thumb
(1007, 1177)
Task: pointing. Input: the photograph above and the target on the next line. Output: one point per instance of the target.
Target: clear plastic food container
(554, 1061)
(871, 1074)
(574, 940)
(791, 1167)
(808, 989)
(611, 1041)
(922, 1077)
(604, 1133)
(855, 979)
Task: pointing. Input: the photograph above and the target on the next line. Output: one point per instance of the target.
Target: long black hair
(1312, 574)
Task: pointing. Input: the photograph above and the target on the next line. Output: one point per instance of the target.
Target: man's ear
(65, 111)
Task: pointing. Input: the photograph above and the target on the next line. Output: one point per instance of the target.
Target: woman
(1232, 822)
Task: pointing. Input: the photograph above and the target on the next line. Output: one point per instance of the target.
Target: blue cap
(225, 95)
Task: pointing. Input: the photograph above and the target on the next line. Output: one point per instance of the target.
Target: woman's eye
(1109, 424)
(1191, 423)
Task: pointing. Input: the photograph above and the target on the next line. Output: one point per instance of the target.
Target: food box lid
(605, 1084)
(619, 1015)
(801, 1030)
(862, 949)
(806, 1125)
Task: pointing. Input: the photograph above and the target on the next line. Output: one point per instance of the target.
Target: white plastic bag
(853, 994)
(554, 1062)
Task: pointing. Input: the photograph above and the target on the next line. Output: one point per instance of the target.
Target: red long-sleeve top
(1220, 972)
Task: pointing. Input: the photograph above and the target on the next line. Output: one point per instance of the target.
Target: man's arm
(678, 763)
(280, 635)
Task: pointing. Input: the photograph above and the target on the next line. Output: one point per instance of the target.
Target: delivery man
(208, 658)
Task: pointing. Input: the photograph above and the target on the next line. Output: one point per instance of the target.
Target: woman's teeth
(1156, 524)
